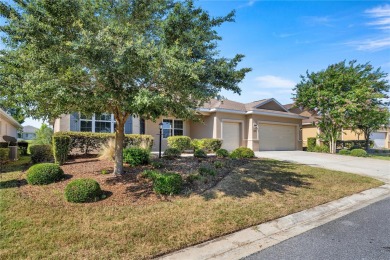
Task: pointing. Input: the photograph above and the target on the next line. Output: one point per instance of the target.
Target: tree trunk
(119, 138)
(367, 139)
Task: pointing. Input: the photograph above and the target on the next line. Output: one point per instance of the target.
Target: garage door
(379, 139)
(230, 135)
(277, 137)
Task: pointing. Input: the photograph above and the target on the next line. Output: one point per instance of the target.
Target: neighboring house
(29, 132)
(8, 125)
(381, 137)
(260, 125)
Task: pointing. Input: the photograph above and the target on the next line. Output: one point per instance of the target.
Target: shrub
(345, 152)
(85, 142)
(150, 174)
(179, 142)
(41, 153)
(136, 156)
(168, 183)
(321, 149)
(200, 153)
(157, 165)
(23, 146)
(4, 155)
(353, 144)
(61, 144)
(218, 164)
(311, 144)
(242, 152)
(196, 144)
(222, 153)
(193, 177)
(107, 151)
(44, 173)
(359, 153)
(205, 171)
(172, 153)
(207, 144)
(83, 190)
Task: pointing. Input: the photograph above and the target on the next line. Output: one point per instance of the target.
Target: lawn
(380, 156)
(38, 223)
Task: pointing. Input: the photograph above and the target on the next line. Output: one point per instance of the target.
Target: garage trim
(297, 130)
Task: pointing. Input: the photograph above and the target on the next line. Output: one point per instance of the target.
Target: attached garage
(277, 137)
(230, 135)
(379, 139)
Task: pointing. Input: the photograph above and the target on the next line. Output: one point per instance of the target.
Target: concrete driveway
(376, 168)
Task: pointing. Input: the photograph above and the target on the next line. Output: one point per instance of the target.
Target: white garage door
(379, 139)
(230, 135)
(277, 137)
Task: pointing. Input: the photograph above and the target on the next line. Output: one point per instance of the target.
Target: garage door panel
(274, 137)
(230, 135)
(379, 139)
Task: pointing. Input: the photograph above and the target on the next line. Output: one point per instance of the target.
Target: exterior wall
(221, 117)
(62, 123)
(307, 132)
(348, 134)
(6, 128)
(203, 129)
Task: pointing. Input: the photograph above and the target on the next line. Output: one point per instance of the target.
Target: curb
(251, 240)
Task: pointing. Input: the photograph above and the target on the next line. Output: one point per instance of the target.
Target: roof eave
(11, 119)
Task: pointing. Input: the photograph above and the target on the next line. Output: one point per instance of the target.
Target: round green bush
(44, 173)
(345, 152)
(171, 153)
(222, 153)
(359, 153)
(200, 153)
(83, 190)
(167, 183)
(242, 152)
(136, 156)
(179, 142)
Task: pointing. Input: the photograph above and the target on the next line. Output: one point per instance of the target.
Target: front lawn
(380, 156)
(134, 223)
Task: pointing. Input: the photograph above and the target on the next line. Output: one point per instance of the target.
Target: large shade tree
(126, 57)
(342, 95)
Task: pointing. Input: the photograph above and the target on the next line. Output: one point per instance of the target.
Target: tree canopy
(342, 95)
(127, 57)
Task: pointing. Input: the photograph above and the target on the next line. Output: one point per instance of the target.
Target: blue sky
(283, 39)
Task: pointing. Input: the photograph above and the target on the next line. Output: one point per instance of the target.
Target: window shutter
(129, 125)
(75, 122)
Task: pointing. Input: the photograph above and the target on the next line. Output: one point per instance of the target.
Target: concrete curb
(251, 240)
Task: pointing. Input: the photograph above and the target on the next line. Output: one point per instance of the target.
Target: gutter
(10, 118)
(251, 112)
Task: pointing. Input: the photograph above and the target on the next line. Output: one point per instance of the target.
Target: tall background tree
(344, 95)
(127, 57)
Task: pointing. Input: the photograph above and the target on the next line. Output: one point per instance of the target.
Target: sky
(281, 40)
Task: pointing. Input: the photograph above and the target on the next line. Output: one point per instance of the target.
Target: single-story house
(28, 132)
(381, 137)
(259, 125)
(8, 125)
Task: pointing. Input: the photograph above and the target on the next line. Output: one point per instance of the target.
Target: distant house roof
(29, 129)
(10, 118)
(262, 106)
(311, 116)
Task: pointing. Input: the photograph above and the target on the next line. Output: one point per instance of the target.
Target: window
(142, 126)
(85, 123)
(172, 127)
(103, 123)
(98, 123)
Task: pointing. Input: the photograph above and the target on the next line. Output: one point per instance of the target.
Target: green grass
(380, 156)
(33, 228)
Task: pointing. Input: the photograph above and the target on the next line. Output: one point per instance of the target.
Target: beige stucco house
(8, 125)
(381, 137)
(260, 125)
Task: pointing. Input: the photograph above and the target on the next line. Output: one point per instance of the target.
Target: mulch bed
(130, 188)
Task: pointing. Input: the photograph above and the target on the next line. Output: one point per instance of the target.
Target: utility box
(13, 153)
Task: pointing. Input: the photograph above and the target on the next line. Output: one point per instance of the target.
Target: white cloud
(381, 17)
(249, 3)
(270, 81)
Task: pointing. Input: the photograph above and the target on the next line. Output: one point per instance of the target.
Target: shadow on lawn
(12, 183)
(257, 178)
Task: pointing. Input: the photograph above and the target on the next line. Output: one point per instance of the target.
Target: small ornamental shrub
(41, 153)
(172, 153)
(218, 164)
(196, 144)
(359, 153)
(321, 149)
(206, 171)
(4, 155)
(167, 183)
(311, 144)
(136, 156)
(83, 190)
(222, 153)
(44, 173)
(107, 150)
(179, 142)
(211, 144)
(23, 146)
(193, 177)
(345, 152)
(61, 145)
(242, 152)
(157, 165)
(200, 153)
(150, 174)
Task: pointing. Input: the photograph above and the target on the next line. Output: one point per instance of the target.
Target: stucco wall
(203, 129)
(6, 128)
(307, 132)
(62, 123)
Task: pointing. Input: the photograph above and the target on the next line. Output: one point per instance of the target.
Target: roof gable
(271, 104)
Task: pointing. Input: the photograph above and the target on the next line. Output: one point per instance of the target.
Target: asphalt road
(363, 234)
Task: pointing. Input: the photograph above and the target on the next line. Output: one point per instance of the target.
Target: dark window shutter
(129, 125)
(75, 122)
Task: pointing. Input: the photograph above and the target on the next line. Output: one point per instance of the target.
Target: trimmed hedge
(83, 190)
(321, 149)
(136, 156)
(85, 142)
(4, 155)
(311, 144)
(179, 142)
(41, 153)
(61, 144)
(353, 144)
(200, 154)
(44, 173)
(23, 146)
(222, 153)
(345, 152)
(207, 144)
(164, 183)
(359, 153)
(242, 152)
(172, 153)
